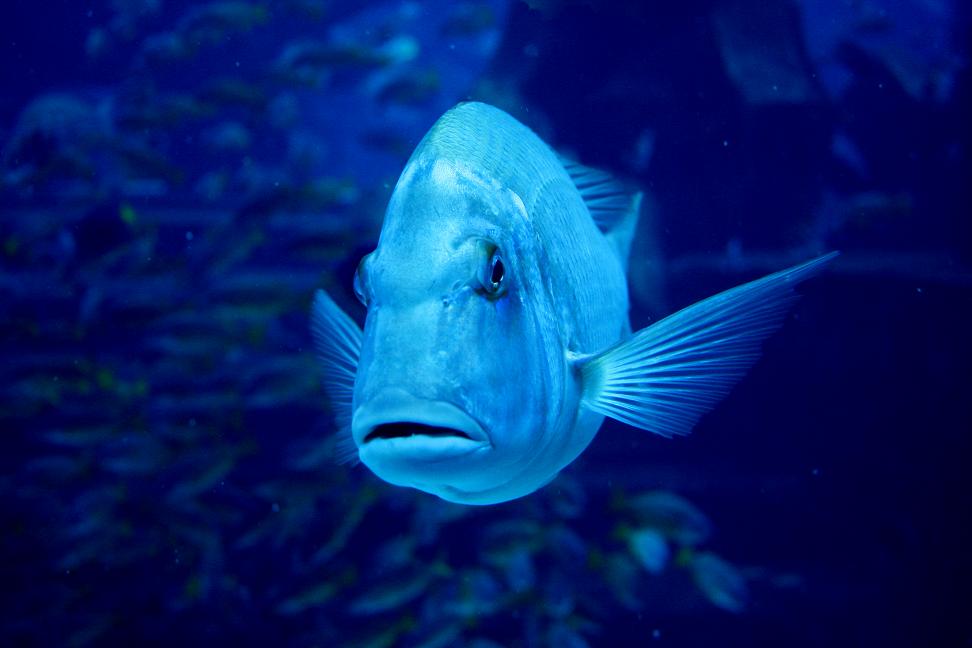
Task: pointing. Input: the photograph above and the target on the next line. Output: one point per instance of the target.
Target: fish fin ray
(338, 341)
(666, 376)
(613, 207)
(345, 450)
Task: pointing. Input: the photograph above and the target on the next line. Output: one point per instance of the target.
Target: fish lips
(396, 426)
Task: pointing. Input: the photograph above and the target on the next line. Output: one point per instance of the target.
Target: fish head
(457, 378)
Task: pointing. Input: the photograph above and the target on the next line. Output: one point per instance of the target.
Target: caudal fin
(666, 376)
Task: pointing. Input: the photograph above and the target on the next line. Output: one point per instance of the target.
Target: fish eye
(357, 284)
(494, 273)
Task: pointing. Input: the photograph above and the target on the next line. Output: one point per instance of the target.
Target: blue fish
(497, 335)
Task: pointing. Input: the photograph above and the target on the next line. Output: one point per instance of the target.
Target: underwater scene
(486, 323)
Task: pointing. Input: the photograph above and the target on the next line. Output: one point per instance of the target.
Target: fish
(563, 634)
(446, 635)
(476, 594)
(622, 577)
(497, 339)
(414, 89)
(308, 62)
(650, 548)
(212, 22)
(672, 516)
(234, 92)
(318, 595)
(397, 591)
(469, 19)
(229, 136)
(165, 47)
(721, 583)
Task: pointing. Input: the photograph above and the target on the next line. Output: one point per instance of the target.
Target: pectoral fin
(666, 376)
(338, 342)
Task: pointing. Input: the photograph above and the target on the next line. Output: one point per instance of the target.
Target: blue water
(176, 179)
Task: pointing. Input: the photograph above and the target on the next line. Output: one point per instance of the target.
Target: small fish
(567, 497)
(351, 520)
(722, 583)
(562, 634)
(386, 635)
(229, 136)
(395, 553)
(81, 437)
(308, 61)
(210, 475)
(157, 111)
(229, 91)
(478, 594)
(469, 19)
(515, 563)
(135, 455)
(672, 516)
(414, 89)
(318, 595)
(567, 545)
(622, 577)
(396, 592)
(57, 468)
(211, 22)
(165, 47)
(519, 570)
(650, 548)
(387, 141)
(445, 636)
(497, 335)
(431, 516)
(478, 642)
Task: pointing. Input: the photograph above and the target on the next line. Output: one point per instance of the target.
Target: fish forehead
(489, 144)
(442, 203)
(486, 136)
(477, 172)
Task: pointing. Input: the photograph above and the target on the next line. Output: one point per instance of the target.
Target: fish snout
(396, 424)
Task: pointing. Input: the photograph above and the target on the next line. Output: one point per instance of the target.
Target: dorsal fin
(612, 206)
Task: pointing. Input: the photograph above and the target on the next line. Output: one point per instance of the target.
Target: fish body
(497, 334)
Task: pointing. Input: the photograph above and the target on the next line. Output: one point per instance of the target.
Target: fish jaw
(396, 433)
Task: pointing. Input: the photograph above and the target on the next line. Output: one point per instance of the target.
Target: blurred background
(176, 179)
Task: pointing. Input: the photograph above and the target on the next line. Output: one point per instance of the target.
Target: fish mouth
(407, 429)
(395, 424)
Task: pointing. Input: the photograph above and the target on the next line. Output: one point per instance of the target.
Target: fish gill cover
(176, 179)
